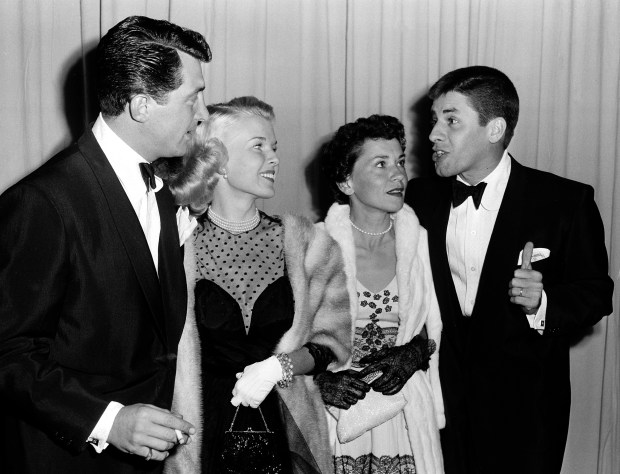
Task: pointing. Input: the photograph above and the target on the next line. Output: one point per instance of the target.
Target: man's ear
(346, 187)
(496, 129)
(139, 108)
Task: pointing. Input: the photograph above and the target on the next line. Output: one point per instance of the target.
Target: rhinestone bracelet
(287, 370)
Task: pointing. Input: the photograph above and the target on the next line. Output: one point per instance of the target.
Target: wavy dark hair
(140, 55)
(490, 92)
(345, 147)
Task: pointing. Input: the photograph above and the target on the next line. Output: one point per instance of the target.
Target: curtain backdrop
(322, 63)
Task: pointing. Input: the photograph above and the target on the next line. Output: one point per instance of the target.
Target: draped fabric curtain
(322, 63)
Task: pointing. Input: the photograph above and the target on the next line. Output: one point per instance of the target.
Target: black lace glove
(397, 364)
(322, 355)
(341, 389)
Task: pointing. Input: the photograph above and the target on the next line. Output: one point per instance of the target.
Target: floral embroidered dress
(385, 449)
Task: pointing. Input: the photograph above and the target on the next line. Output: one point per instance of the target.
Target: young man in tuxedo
(519, 264)
(92, 287)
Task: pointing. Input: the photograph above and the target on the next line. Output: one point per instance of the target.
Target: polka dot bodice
(243, 265)
(377, 320)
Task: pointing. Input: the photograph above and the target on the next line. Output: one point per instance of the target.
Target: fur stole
(187, 398)
(418, 306)
(322, 315)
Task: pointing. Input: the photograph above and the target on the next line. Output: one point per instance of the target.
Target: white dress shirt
(125, 163)
(467, 239)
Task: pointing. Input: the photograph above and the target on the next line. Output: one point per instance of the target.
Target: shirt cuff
(537, 320)
(99, 436)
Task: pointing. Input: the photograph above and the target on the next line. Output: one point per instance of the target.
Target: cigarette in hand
(179, 436)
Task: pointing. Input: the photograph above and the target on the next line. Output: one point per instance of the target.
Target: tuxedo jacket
(84, 317)
(506, 387)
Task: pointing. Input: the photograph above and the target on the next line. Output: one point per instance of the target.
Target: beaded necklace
(234, 227)
(372, 233)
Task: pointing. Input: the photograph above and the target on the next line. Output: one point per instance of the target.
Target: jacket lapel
(171, 272)
(442, 275)
(504, 246)
(128, 227)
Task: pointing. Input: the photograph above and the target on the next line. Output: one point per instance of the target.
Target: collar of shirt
(496, 181)
(124, 160)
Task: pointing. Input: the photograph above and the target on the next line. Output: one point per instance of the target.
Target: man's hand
(142, 429)
(525, 289)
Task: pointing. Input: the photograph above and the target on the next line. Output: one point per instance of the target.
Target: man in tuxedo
(92, 287)
(519, 264)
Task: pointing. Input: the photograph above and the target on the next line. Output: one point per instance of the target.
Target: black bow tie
(460, 192)
(148, 175)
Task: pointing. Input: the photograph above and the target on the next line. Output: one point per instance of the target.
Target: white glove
(256, 382)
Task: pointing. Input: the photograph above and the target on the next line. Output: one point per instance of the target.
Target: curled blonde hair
(194, 184)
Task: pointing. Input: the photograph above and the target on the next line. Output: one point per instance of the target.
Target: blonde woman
(268, 305)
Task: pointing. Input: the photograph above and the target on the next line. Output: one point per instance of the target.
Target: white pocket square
(537, 254)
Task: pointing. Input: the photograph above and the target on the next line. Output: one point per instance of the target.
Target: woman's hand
(256, 381)
(398, 364)
(341, 389)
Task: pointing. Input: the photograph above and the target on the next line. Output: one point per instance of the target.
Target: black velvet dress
(244, 304)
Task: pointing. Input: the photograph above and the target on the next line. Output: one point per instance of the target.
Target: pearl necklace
(372, 233)
(234, 227)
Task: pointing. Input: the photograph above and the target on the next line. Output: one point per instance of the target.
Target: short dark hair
(140, 55)
(489, 92)
(345, 146)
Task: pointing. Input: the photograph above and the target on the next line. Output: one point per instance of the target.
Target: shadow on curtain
(327, 62)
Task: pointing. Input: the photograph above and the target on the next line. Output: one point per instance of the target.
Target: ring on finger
(149, 455)
(521, 292)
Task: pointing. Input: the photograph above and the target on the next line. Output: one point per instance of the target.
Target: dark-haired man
(519, 264)
(92, 287)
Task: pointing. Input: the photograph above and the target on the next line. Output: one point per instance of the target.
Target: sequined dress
(244, 304)
(386, 448)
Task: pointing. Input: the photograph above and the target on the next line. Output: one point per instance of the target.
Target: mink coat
(315, 269)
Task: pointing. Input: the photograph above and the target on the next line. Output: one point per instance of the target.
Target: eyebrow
(449, 110)
(387, 156)
(199, 88)
(261, 138)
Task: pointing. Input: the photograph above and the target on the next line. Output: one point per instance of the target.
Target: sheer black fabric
(244, 304)
(322, 356)
(227, 349)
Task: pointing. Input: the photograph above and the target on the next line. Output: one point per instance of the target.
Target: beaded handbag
(371, 411)
(249, 451)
